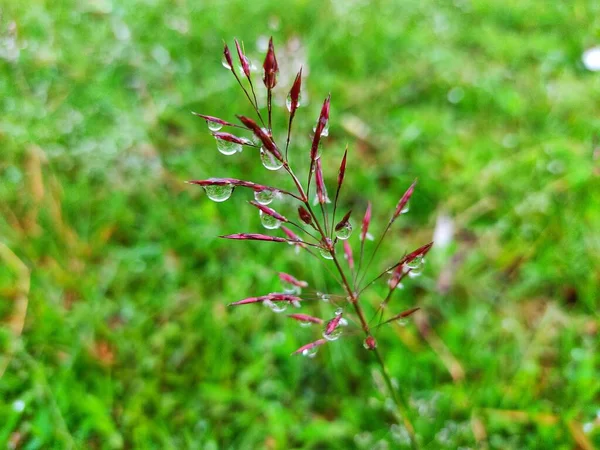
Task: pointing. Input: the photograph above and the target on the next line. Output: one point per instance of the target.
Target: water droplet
(334, 335)
(339, 311)
(324, 297)
(269, 161)
(264, 197)
(325, 253)
(406, 208)
(213, 126)
(343, 323)
(290, 288)
(415, 273)
(275, 307)
(228, 148)
(324, 131)
(218, 193)
(416, 263)
(226, 64)
(310, 352)
(296, 304)
(305, 323)
(288, 103)
(344, 232)
(591, 59)
(269, 222)
(402, 322)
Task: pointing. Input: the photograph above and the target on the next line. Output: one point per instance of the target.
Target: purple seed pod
(403, 201)
(287, 278)
(270, 67)
(305, 349)
(243, 60)
(365, 223)
(253, 237)
(306, 318)
(268, 211)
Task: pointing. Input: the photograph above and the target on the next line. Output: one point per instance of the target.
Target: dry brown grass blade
(439, 347)
(518, 416)
(479, 432)
(21, 299)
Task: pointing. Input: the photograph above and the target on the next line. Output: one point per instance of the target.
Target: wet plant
(319, 228)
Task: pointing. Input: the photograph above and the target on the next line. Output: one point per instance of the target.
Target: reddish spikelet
(399, 272)
(421, 251)
(253, 237)
(404, 200)
(284, 298)
(304, 215)
(348, 254)
(342, 223)
(342, 170)
(365, 223)
(309, 346)
(403, 314)
(295, 93)
(305, 318)
(321, 124)
(267, 141)
(243, 60)
(321, 189)
(370, 343)
(333, 324)
(270, 297)
(270, 67)
(215, 120)
(227, 55)
(287, 278)
(269, 212)
(232, 138)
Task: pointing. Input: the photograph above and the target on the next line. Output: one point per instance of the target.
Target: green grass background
(127, 341)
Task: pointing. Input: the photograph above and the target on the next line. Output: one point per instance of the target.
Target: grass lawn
(114, 286)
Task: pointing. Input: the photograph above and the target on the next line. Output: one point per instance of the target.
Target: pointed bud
(348, 254)
(293, 237)
(253, 237)
(267, 141)
(342, 223)
(287, 278)
(305, 318)
(342, 170)
(232, 138)
(403, 314)
(304, 215)
(270, 67)
(270, 297)
(333, 324)
(321, 189)
(269, 211)
(214, 120)
(243, 60)
(321, 124)
(365, 223)
(295, 93)
(227, 56)
(404, 200)
(370, 343)
(418, 253)
(310, 346)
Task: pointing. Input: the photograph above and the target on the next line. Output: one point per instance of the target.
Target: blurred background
(115, 330)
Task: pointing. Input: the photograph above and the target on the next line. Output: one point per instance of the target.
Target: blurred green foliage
(127, 341)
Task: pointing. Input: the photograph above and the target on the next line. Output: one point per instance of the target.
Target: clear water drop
(416, 263)
(288, 102)
(325, 253)
(226, 64)
(213, 126)
(228, 148)
(290, 288)
(344, 232)
(310, 352)
(339, 311)
(324, 297)
(324, 131)
(402, 322)
(219, 193)
(269, 222)
(305, 323)
(406, 208)
(269, 161)
(343, 323)
(334, 335)
(264, 197)
(278, 307)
